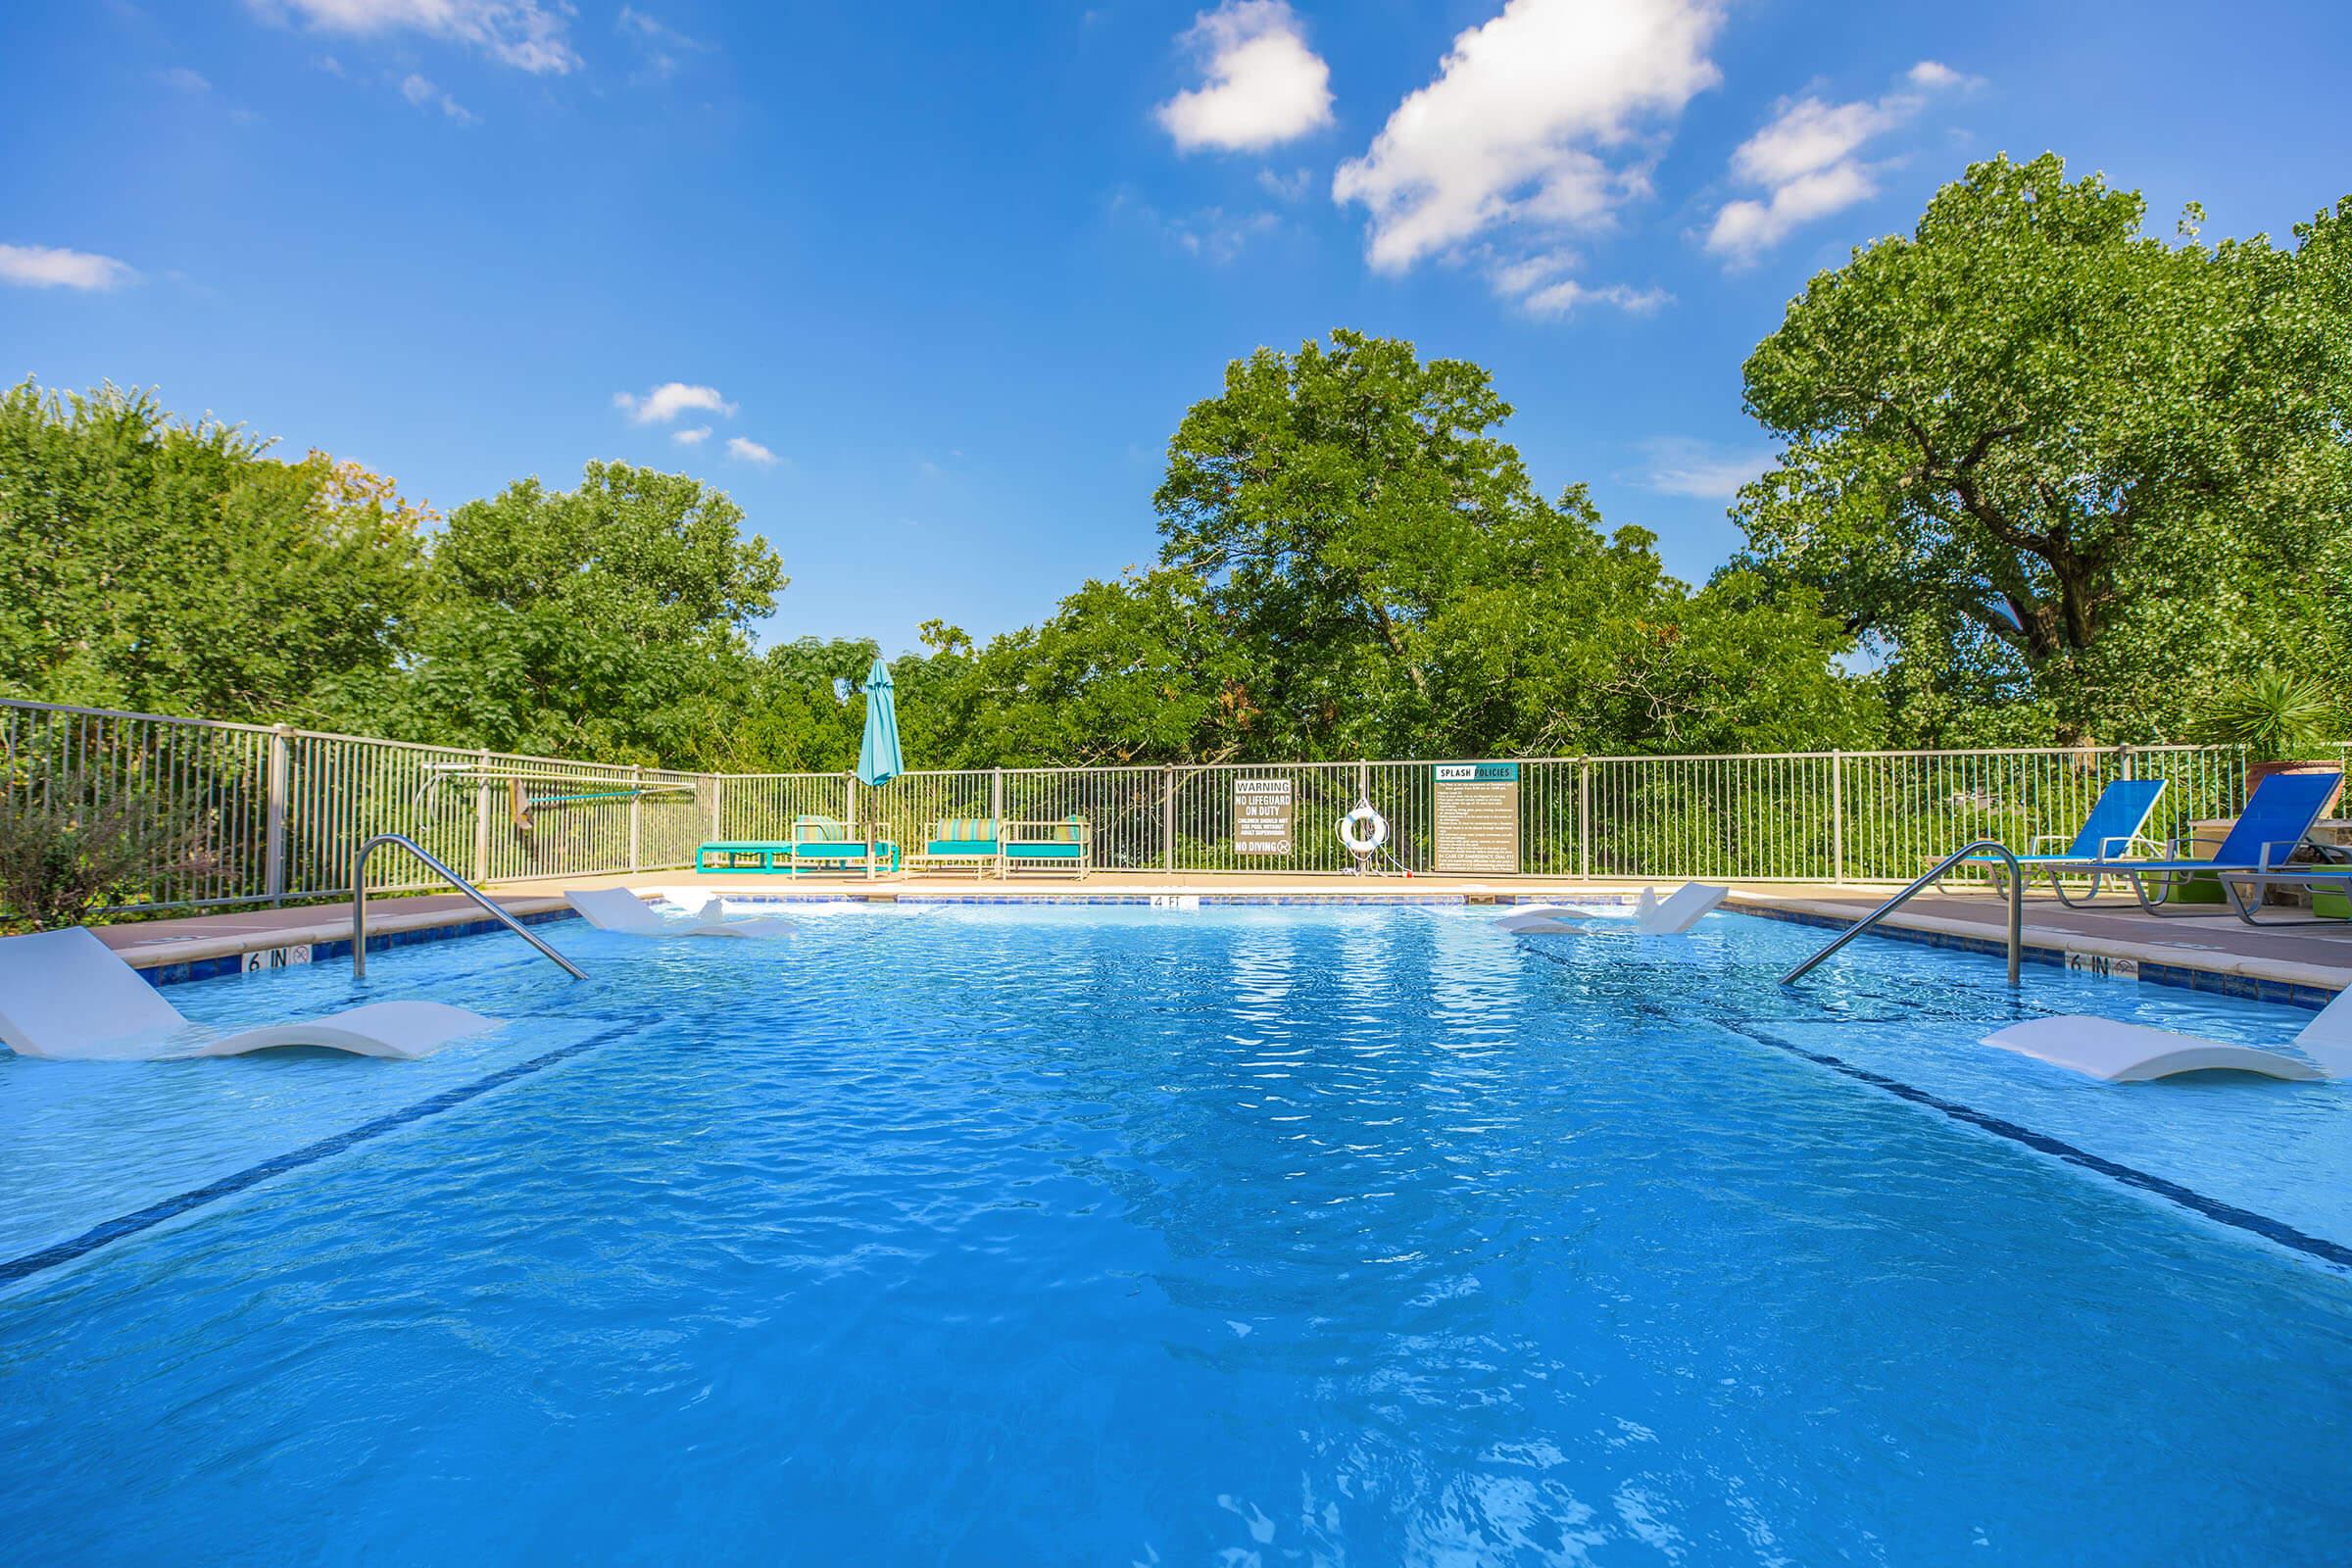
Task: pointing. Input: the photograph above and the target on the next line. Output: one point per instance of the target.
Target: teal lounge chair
(1066, 845)
(2109, 833)
(818, 844)
(965, 843)
(2277, 817)
(982, 844)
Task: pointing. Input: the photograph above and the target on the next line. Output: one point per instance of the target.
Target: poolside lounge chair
(64, 996)
(819, 844)
(982, 844)
(2279, 815)
(2110, 832)
(968, 843)
(1066, 845)
(620, 910)
(2131, 1052)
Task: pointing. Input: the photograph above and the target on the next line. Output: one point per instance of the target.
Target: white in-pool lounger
(1652, 915)
(63, 994)
(1679, 911)
(620, 910)
(2131, 1052)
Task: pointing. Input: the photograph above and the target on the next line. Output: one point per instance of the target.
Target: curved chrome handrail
(2017, 907)
(359, 904)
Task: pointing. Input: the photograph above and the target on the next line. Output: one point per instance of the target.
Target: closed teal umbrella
(878, 758)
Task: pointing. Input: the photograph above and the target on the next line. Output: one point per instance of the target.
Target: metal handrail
(359, 904)
(2017, 907)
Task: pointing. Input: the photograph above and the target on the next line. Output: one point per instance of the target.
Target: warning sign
(1261, 816)
(1477, 817)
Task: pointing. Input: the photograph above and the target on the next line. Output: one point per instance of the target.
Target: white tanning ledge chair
(1671, 915)
(63, 994)
(2131, 1052)
(1679, 911)
(620, 910)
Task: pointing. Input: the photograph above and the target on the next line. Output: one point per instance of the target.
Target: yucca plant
(2275, 716)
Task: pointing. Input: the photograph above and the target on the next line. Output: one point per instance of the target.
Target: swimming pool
(991, 1235)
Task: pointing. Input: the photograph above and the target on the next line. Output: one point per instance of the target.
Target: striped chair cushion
(965, 830)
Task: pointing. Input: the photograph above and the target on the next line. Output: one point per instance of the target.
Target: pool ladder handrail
(359, 904)
(2017, 907)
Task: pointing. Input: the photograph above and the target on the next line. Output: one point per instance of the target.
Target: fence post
(1584, 818)
(718, 782)
(282, 764)
(1167, 817)
(996, 797)
(636, 812)
(481, 816)
(1836, 816)
(2126, 760)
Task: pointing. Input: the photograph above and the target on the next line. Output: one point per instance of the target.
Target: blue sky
(939, 280)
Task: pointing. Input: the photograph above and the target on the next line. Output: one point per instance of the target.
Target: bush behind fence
(280, 811)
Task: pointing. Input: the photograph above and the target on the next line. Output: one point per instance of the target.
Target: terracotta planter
(2256, 772)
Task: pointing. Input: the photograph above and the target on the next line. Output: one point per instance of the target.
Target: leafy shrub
(61, 856)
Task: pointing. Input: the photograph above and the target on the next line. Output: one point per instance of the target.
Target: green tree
(1387, 581)
(608, 621)
(154, 563)
(2060, 470)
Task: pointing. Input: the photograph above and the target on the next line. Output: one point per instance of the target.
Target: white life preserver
(1372, 833)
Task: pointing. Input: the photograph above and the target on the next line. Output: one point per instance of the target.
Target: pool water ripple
(980, 1237)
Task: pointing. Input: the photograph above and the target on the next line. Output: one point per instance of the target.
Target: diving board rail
(359, 904)
(1981, 847)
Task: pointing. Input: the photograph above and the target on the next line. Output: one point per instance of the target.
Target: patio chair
(1066, 845)
(2277, 817)
(64, 996)
(965, 843)
(819, 844)
(2111, 831)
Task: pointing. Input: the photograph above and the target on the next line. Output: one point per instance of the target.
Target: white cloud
(1533, 123)
(1264, 85)
(51, 267)
(691, 438)
(670, 398)
(1808, 161)
(184, 80)
(424, 94)
(658, 44)
(1210, 232)
(1565, 296)
(523, 33)
(750, 452)
(1677, 465)
(1217, 234)
(1290, 187)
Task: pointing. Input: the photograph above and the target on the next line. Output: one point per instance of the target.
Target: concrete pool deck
(2309, 958)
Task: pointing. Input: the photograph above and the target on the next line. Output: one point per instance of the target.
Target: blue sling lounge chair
(2279, 815)
(2107, 835)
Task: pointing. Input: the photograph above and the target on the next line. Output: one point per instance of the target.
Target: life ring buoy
(1363, 830)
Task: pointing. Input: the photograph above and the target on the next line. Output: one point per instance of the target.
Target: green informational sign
(1477, 816)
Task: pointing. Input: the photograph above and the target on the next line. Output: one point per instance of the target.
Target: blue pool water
(961, 1234)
